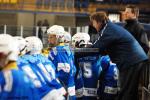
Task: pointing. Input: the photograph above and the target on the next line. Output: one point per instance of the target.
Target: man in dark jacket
(135, 28)
(123, 50)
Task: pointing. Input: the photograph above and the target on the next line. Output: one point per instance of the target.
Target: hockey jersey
(15, 85)
(108, 87)
(63, 59)
(42, 76)
(89, 70)
(95, 75)
(50, 68)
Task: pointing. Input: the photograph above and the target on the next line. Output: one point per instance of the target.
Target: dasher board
(94, 50)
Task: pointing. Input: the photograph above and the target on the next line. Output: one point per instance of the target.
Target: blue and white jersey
(47, 66)
(108, 87)
(89, 70)
(15, 85)
(27, 64)
(63, 59)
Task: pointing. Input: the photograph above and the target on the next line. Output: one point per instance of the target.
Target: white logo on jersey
(71, 91)
(64, 66)
(55, 51)
(8, 80)
(110, 90)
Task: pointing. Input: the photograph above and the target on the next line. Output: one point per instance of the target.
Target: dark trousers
(129, 82)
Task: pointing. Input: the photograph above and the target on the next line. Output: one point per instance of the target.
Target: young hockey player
(93, 68)
(21, 44)
(108, 81)
(88, 68)
(14, 84)
(67, 38)
(62, 57)
(40, 70)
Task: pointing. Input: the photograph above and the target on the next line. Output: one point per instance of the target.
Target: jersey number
(87, 72)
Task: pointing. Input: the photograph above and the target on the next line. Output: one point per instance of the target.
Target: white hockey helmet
(21, 43)
(67, 37)
(80, 39)
(34, 45)
(58, 31)
(9, 46)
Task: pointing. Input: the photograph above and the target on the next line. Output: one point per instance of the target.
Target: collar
(61, 44)
(131, 20)
(10, 66)
(101, 32)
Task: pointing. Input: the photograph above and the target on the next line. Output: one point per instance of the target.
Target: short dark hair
(134, 9)
(99, 17)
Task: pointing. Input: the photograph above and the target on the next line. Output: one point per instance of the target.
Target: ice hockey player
(88, 68)
(95, 72)
(21, 44)
(67, 38)
(40, 70)
(108, 80)
(62, 57)
(14, 84)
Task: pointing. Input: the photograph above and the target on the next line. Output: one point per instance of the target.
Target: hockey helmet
(58, 31)
(9, 46)
(34, 45)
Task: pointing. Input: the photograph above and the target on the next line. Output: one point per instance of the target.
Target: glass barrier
(42, 34)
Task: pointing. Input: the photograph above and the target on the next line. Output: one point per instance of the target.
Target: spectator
(53, 4)
(45, 23)
(130, 1)
(39, 24)
(85, 4)
(39, 3)
(77, 4)
(81, 4)
(46, 3)
(123, 50)
(135, 28)
(44, 28)
(70, 4)
(61, 4)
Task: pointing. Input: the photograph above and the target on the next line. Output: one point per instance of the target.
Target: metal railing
(40, 32)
